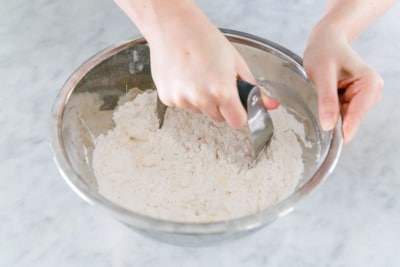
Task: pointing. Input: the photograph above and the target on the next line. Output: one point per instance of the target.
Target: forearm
(351, 17)
(152, 16)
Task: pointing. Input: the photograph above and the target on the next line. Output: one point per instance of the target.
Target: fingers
(217, 97)
(269, 102)
(216, 102)
(221, 103)
(230, 106)
(361, 90)
(213, 113)
(325, 79)
(208, 106)
(245, 74)
(360, 96)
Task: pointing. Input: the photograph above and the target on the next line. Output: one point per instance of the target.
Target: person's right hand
(193, 65)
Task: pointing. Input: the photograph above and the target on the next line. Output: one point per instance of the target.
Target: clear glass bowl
(113, 71)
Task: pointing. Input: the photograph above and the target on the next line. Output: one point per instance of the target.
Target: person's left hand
(345, 84)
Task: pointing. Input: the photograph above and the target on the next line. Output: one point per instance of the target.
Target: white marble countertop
(351, 220)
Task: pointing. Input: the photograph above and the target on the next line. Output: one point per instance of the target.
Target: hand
(332, 64)
(195, 67)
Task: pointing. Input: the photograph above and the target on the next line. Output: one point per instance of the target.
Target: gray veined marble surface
(351, 220)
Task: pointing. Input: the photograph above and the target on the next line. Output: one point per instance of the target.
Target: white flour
(193, 169)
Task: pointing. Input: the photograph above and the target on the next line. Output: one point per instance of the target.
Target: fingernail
(348, 132)
(327, 121)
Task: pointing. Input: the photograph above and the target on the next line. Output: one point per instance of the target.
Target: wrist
(350, 18)
(152, 17)
(328, 28)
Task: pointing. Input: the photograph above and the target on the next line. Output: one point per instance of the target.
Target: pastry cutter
(258, 118)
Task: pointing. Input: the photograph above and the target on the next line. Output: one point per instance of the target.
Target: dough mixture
(193, 169)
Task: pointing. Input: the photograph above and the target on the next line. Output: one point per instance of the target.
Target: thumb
(245, 74)
(324, 76)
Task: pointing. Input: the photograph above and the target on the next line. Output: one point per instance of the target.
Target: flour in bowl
(193, 169)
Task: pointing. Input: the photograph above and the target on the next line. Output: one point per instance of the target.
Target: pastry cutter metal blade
(258, 118)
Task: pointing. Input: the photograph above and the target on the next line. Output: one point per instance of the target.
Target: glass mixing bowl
(112, 72)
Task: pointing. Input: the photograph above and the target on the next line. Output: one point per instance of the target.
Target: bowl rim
(146, 223)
